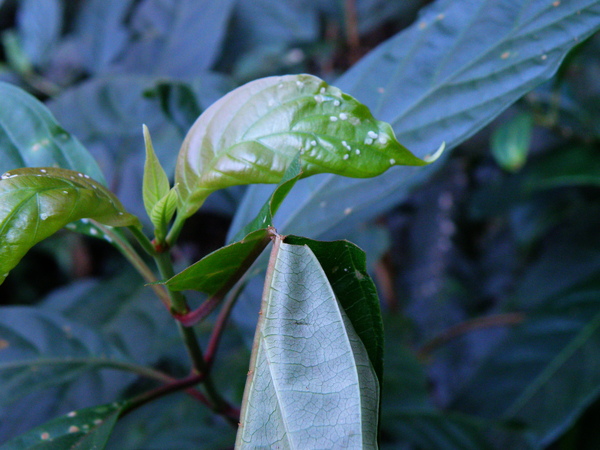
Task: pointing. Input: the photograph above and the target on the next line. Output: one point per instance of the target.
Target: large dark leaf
(442, 79)
(41, 349)
(547, 371)
(39, 24)
(101, 33)
(31, 137)
(179, 38)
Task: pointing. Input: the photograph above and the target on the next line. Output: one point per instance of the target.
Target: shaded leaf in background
(178, 102)
(39, 25)
(180, 38)
(306, 361)
(187, 425)
(31, 137)
(36, 203)
(526, 377)
(511, 141)
(442, 79)
(88, 428)
(100, 33)
(109, 125)
(345, 266)
(42, 349)
(253, 133)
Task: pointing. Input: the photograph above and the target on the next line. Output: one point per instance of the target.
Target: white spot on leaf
(333, 118)
(392, 161)
(343, 116)
(368, 141)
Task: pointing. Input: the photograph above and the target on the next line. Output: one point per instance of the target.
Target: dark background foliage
(488, 264)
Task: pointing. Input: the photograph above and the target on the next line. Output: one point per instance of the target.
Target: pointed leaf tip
(435, 155)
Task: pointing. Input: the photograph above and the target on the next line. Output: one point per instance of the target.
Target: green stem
(165, 267)
(173, 233)
(143, 240)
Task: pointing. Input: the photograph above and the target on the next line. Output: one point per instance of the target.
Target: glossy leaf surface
(35, 203)
(307, 362)
(345, 266)
(442, 79)
(31, 137)
(85, 429)
(253, 133)
(215, 270)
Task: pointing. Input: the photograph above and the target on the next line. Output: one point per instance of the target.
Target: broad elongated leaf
(185, 426)
(345, 266)
(179, 38)
(310, 383)
(35, 203)
(253, 133)
(31, 137)
(215, 270)
(39, 24)
(442, 79)
(41, 349)
(88, 428)
(524, 380)
(100, 32)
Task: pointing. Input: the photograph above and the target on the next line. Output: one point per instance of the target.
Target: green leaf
(253, 133)
(441, 79)
(31, 137)
(310, 383)
(87, 428)
(156, 183)
(547, 371)
(264, 218)
(163, 212)
(511, 140)
(216, 270)
(38, 202)
(345, 266)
